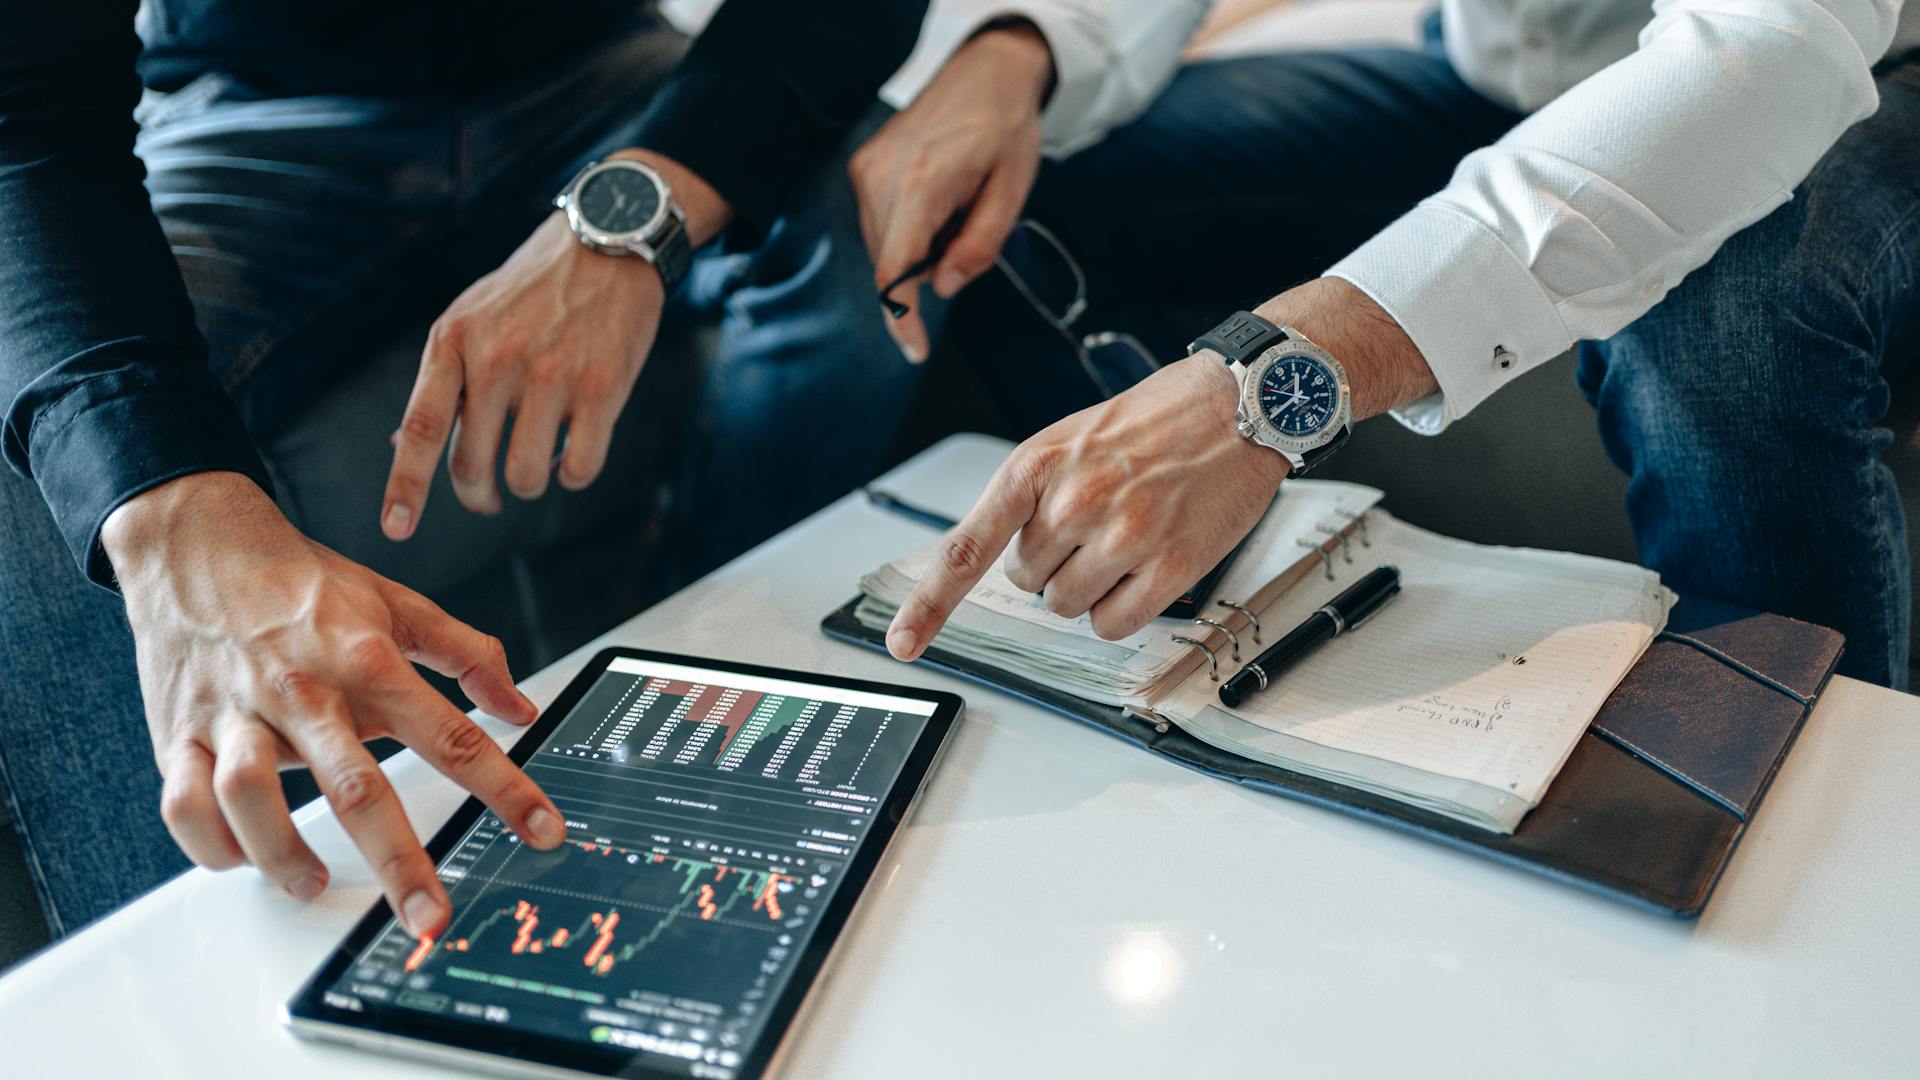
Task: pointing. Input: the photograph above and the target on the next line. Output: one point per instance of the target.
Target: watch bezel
(1254, 417)
(644, 235)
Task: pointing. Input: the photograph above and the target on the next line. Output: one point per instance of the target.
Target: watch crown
(1245, 428)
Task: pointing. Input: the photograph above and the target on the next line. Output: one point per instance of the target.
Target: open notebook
(1463, 696)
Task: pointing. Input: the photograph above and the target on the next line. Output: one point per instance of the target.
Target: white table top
(1064, 904)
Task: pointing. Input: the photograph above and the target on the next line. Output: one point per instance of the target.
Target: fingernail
(913, 352)
(398, 519)
(307, 887)
(948, 282)
(419, 911)
(544, 828)
(527, 708)
(901, 644)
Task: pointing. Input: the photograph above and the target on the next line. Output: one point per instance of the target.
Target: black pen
(1345, 612)
(886, 501)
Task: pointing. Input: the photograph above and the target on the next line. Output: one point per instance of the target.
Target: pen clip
(1374, 610)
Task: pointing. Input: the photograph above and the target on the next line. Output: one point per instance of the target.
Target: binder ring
(1346, 555)
(1213, 662)
(1325, 555)
(1360, 523)
(1222, 627)
(1248, 612)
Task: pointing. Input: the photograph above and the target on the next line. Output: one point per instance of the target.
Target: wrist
(1016, 53)
(141, 531)
(1384, 368)
(706, 211)
(1220, 400)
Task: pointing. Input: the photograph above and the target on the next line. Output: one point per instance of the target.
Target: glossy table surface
(1064, 904)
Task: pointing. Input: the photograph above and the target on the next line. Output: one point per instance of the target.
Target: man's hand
(259, 649)
(1120, 508)
(970, 142)
(556, 336)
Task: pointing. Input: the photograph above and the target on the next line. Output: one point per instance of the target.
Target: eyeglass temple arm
(936, 250)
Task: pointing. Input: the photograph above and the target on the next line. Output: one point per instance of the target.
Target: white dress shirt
(1656, 133)
(1111, 58)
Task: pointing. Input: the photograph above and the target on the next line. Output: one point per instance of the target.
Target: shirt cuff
(1469, 303)
(115, 436)
(1081, 65)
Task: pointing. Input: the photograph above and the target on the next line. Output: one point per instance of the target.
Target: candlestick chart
(708, 824)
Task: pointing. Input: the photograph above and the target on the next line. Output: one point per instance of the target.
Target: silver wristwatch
(1294, 396)
(625, 208)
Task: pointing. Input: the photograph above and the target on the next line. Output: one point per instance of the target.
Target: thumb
(430, 636)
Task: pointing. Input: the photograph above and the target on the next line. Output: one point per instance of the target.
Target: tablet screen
(711, 815)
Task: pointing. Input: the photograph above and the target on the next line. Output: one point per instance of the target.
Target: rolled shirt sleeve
(1586, 214)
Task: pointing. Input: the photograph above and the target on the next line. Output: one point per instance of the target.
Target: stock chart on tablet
(709, 815)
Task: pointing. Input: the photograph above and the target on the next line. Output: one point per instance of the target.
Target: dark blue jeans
(1748, 409)
(319, 238)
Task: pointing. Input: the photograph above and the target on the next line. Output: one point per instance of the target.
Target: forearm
(102, 371)
(1384, 367)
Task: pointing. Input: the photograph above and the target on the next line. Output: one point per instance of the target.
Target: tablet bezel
(415, 1033)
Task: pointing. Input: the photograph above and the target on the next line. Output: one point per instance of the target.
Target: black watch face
(618, 200)
(1299, 395)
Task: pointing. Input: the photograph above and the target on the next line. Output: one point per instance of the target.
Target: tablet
(722, 820)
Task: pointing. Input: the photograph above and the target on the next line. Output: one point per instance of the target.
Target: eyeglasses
(1047, 277)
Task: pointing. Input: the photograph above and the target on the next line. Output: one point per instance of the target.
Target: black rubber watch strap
(673, 255)
(1241, 338)
(1311, 459)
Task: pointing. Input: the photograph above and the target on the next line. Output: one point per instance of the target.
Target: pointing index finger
(423, 432)
(965, 553)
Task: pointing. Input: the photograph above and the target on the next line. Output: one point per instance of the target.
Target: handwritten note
(1486, 668)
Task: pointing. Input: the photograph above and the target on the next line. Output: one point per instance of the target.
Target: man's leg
(805, 393)
(76, 766)
(1244, 178)
(1747, 408)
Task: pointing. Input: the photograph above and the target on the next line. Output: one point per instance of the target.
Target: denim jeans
(1747, 409)
(319, 238)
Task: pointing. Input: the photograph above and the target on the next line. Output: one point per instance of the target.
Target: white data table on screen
(1065, 904)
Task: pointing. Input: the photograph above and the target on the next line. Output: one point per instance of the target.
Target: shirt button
(1502, 359)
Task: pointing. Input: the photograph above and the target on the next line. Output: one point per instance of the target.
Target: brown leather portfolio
(1653, 800)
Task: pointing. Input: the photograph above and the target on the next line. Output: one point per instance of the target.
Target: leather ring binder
(1248, 612)
(1360, 523)
(1232, 638)
(1325, 555)
(1346, 554)
(1213, 661)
